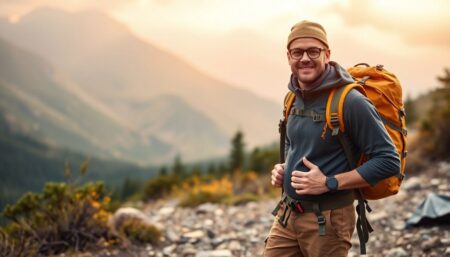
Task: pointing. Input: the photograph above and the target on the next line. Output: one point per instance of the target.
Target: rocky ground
(212, 230)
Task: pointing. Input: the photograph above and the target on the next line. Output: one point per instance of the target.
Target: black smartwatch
(332, 184)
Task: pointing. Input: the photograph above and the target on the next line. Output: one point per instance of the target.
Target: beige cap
(307, 29)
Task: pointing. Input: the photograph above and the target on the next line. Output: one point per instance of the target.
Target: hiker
(316, 215)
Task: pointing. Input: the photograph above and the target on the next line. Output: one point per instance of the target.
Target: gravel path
(212, 230)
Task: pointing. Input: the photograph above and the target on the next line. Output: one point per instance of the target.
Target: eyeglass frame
(306, 50)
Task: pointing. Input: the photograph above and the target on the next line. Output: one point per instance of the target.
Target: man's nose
(305, 57)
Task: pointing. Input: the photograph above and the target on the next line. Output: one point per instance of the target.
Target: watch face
(332, 183)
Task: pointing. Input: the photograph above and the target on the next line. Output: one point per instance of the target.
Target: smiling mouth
(305, 68)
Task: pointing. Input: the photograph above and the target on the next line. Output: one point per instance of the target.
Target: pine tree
(163, 171)
(256, 162)
(410, 109)
(212, 171)
(178, 169)
(446, 79)
(196, 171)
(129, 187)
(441, 118)
(222, 169)
(237, 151)
(438, 138)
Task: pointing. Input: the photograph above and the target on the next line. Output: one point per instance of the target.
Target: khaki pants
(301, 235)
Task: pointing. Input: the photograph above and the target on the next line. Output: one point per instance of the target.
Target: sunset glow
(243, 42)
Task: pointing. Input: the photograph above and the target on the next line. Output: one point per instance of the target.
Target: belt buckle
(321, 220)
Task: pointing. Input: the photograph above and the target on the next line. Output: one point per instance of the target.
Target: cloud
(417, 22)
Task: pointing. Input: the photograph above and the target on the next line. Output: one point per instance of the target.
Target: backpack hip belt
(331, 202)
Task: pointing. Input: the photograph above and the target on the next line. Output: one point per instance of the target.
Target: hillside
(27, 164)
(41, 101)
(105, 59)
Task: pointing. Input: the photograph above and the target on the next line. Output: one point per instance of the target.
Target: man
(317, 216)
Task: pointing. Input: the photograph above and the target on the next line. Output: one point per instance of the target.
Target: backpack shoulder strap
(335, 117)
(335, 107)
(288, 101)
(335, 121)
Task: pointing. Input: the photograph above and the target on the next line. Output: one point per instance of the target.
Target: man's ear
(288, 57)
(327, 55)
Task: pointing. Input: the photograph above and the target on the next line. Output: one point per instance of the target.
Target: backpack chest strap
(316, 117)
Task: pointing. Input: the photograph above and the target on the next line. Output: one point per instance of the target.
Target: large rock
(127, 213)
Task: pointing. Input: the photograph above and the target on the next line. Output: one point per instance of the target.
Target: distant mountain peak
(53, 12)
(50, 17)
(46, 11)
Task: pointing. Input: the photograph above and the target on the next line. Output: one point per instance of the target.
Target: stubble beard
(305, 80)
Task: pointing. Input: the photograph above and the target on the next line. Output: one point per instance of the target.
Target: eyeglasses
(312, 52)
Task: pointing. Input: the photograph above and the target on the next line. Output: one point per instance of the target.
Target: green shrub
(62, 217)
(21, 247)
(196, 191)
(158, 187)
(195, 199)
(435, 139)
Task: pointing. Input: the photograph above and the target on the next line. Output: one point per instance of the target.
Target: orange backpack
(385, 92)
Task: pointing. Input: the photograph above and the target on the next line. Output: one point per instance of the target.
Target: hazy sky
(243, 42)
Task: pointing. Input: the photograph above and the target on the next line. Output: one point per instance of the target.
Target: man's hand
(311, 182)
(278, 175)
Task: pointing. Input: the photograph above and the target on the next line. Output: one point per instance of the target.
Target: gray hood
(333, 76)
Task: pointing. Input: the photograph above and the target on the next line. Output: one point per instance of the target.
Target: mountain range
(84, 81)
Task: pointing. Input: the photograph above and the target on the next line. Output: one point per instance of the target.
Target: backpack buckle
(321, 220)
(334, 120)
(316, 117)
(362, 82)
